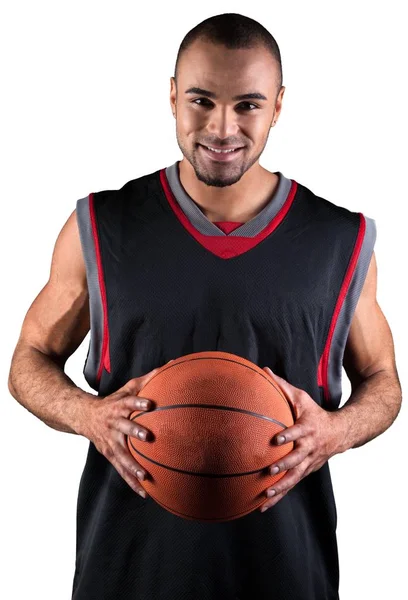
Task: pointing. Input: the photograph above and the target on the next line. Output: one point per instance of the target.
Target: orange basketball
(211, 435)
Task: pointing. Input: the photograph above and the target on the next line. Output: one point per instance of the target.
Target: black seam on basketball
(197, 474)
(166, 366)
(215, 406)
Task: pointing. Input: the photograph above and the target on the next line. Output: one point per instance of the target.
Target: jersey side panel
(94, 355)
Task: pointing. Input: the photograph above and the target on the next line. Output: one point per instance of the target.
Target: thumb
(284, 385)
(287, 389)
(134, 385)
(282, 382)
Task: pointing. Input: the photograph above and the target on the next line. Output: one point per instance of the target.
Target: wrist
(83, 419)
(341, 431)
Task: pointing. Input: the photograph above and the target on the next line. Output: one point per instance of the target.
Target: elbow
(12, 378)
(399, 397)
(11, 387)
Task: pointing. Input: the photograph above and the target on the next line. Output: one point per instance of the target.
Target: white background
(85, 107)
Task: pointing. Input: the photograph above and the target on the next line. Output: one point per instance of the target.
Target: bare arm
(369, 362)
(54, 326)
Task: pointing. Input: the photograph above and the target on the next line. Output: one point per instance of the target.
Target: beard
(218, 174)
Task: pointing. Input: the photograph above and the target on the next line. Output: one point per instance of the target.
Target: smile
(220, 155)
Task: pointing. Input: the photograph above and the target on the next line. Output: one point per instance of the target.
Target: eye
(201, 101)
(207, 102)
(250, 104)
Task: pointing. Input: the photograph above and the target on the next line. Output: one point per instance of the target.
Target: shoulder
(323, 206)
(328, 212)
(138, 187)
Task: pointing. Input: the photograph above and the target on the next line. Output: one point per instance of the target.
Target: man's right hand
(108, 424)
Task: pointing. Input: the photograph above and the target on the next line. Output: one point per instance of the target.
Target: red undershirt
(227, 226)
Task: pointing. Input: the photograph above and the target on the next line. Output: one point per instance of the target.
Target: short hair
(234, 31)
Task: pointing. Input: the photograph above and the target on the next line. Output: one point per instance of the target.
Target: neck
(239, 202)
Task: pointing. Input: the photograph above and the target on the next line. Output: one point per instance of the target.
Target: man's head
(227, 55)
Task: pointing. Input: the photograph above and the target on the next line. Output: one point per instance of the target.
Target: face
(215, 117)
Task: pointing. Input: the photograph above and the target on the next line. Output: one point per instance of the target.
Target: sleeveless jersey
(164, 281)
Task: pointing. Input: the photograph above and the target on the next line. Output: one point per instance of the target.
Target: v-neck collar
(199, 220)
(241, 239)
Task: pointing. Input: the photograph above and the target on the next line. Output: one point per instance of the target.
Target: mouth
(221, 156)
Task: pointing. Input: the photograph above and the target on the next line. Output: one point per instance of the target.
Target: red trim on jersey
(105, 357)
(225, 246)
(323, 368)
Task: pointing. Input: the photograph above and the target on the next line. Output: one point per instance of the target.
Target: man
(212, 253)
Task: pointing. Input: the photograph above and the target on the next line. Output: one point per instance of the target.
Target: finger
(137, 402)
(289, 434)
(127, 461)
(269, 503)
(131, 481)
(289, 480)
(128, 427)
(290, 461)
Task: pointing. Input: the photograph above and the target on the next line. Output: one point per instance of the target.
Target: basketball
(210, 446)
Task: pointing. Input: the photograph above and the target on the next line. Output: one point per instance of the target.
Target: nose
(222, 122)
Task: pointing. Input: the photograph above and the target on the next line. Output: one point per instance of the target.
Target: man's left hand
(316, 436)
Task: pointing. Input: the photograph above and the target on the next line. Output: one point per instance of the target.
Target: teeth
(220, 151)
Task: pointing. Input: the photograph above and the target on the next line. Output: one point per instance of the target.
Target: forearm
(370, 410)
(40, 385)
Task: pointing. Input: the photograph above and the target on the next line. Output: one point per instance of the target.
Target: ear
(173, 96)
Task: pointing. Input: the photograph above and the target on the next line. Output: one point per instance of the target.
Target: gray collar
(205, 226)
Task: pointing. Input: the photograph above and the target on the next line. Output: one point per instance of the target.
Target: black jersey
(164, 281)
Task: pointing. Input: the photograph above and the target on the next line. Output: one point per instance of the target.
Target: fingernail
(142, 493)
(140, 475)
(144, 404)
(280, 439)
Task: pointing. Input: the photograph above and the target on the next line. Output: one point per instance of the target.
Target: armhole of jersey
(345, 317)
(94, 356)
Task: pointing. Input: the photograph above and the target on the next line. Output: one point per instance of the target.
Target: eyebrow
(251, 96)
